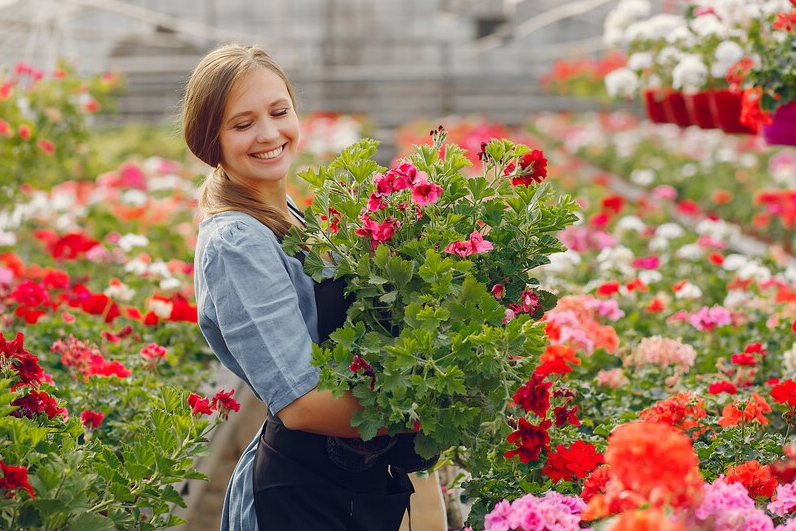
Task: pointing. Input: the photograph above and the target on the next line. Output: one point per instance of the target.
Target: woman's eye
(283, 112)
(241, 127)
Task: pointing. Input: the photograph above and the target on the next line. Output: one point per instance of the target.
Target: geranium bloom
(682, 411)
(378, 232)
(708, 319)
(15, 478)
(663, 352)
(722, 386)
(424, 193)
(552, 511)
(35, 403)
(784, 500)
(596, 482)
(224, 403)
(200, 405)
(753, 409)
(530, 440)
(756, 478)
(534, 395)
(476, 244)
(573, 462)
(785, 393)
(92, 419)
(533, 168)
(645, 520)
(653, 460)
(153, 351)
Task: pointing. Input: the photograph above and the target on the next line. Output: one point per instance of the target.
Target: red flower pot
(653, 104)
(676, 109)
(699, 109)
(782, 129)
(726, 107)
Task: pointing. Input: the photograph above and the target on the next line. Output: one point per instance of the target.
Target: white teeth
(269, 154)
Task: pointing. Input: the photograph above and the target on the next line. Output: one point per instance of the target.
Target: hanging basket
(654, 105)
(676, 109)
(726, 108)
(699, 109)
(782, 130)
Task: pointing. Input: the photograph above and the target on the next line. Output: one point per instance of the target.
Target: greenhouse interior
(428, 265)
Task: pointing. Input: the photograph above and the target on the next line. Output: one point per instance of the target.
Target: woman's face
(259, 131)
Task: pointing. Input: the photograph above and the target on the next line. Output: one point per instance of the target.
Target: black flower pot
(402, 455)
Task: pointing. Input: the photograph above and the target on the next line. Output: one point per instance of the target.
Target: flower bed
(664, 398)
(739, 179)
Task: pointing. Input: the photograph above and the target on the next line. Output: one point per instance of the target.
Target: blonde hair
(205, 99)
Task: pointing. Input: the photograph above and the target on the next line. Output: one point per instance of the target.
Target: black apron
(296, 485)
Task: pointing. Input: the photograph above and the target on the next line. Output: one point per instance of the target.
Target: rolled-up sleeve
(258, 314)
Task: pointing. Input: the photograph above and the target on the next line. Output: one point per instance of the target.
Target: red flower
(71, 246)
(200, 405)
(224, 402)
(613, 203)
(785, 393)
(530, 440)
(533, 168)
(498, 290)
(378, 232)
(573, 462)
(20, 360)
(608, 288)
(596, 482)
(153, 351)
(756, 478)
(101, 304)
(743, 359)
(101, 367)
(566, 416)
(92, 419)
(15, 478)
(35, 403)
(657, 305)
(534, 395)
(722, 386)
(552, 366)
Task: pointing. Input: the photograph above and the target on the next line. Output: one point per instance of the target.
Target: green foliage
(435, 351)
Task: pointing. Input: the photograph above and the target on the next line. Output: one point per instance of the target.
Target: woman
(258, 311)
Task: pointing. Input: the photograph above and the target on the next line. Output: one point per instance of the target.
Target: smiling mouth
(269, 154)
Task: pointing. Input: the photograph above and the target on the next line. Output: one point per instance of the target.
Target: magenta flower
(425, 192)
(476, 244)
(647, 262)
(378, 232)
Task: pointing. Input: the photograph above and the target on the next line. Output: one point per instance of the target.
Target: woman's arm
(317, 412)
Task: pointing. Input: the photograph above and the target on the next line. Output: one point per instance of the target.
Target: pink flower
(24, 132)
(153, 351)
(498, 290)
(784, 500)
(425, 192)
(647, 262)
(707, 319)
(378, 232)
(612, 378)
(46, 146)
(5, 129)
(476, 244)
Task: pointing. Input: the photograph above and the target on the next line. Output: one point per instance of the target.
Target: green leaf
(92, 522)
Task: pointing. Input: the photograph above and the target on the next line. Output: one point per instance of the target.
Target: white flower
(7, 238)
(119, 291)
(622, 82)
(618, 258)
(688, 170)
(669, 231)
(643, 177)
(563, 262)
(690, 74)
(688, 291)
(170, 283)
(709, 26)
(159, 268)
(136, 266)
(135, 197)
(735, 298)
(650, 276)
(630, 224)
(789, 360)
(640, 61)
(690, 251)
(160, 308)
(717, 229)
(627, 12)
(662, 26)
(733, 262)
(128, 241)
(754, 270)
(727, 54)
(669, 56)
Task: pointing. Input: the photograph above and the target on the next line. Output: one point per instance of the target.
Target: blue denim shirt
(256, 309)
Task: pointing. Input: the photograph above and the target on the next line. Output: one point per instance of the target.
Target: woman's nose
(267, 131)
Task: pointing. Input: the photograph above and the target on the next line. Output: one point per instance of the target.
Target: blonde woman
(260, 312)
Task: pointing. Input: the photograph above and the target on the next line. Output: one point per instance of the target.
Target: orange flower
(681, 411)
(755, 477)
(646, 520)
(655, 461)
(753, 409)
(559, 352)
